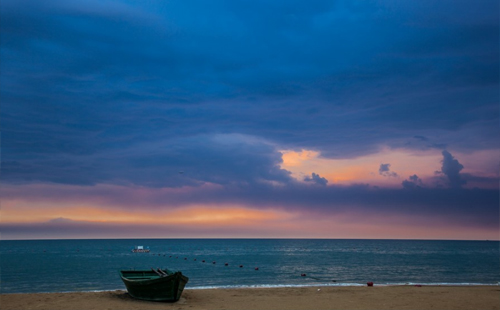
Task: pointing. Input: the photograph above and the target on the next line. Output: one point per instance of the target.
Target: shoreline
(312, 297)
(278, 286)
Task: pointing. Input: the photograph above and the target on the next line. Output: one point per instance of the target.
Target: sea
(36, 266)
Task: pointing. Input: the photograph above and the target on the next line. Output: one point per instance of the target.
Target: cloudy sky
(272, 119)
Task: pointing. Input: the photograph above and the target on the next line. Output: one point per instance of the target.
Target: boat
(155, 284)
(140, 249)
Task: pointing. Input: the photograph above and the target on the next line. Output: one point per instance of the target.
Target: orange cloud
(363, 169)
(297, 159)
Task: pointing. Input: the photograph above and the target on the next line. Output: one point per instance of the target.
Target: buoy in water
(203, 261)
(302, 274)
(226, 264)
(241, 266)
(213, 262)
(256, 268)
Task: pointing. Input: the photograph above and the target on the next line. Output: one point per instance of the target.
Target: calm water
(88, 265)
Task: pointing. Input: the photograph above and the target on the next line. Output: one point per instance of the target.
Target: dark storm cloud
(315, 178)
(451, 169)
(384, 170)
(131, 92)
(221, 159)
(413, 182)
(80, 77)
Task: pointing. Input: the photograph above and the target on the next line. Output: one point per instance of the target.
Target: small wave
(211, 287)
(336, 285)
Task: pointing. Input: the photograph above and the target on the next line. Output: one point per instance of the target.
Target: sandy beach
(383, 297)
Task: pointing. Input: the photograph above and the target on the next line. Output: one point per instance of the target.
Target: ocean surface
(92, 265)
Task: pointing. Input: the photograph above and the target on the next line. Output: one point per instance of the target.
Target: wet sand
(317, 298)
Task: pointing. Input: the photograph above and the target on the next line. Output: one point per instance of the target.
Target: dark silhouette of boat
(154, 285)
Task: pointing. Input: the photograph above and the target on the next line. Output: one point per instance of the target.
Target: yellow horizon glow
(17, 212)
(244, 222)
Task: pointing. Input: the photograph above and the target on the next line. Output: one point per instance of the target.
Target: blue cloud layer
(129, 92)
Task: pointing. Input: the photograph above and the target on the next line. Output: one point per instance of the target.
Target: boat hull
(147, 285)
(140, 251)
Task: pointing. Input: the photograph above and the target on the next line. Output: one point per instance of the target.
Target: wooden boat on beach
(154, 285)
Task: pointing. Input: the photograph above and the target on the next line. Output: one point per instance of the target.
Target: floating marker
(203, 261)
(256, 268)
(303, 275)
(241, 266)
(226, 264)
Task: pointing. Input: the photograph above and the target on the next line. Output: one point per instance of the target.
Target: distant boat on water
(140, 249)
(154, 285)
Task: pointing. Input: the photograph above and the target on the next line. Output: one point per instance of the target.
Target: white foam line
(336, 285)
(283, 286)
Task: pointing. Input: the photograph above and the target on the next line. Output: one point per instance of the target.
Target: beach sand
(382, 297)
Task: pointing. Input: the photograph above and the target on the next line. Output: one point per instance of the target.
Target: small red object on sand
(369, 283)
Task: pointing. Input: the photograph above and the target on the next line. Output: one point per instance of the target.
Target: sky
(250, 119)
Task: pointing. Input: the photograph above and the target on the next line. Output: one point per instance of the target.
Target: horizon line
(251, 238)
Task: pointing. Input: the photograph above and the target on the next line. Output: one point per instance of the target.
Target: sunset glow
(270, 120)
